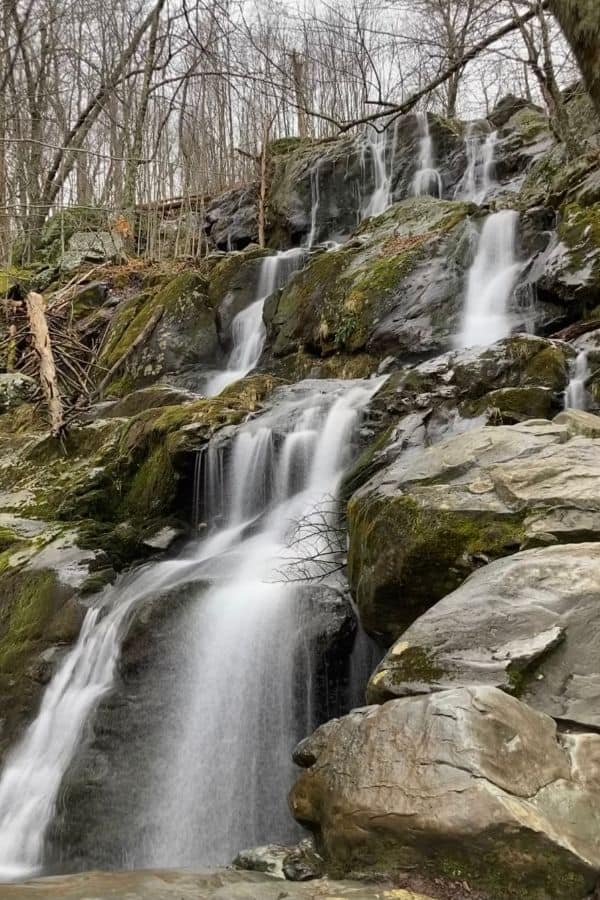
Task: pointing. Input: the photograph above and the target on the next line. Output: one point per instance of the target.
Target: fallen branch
(47, 370)
(574, 331)
(140, 339)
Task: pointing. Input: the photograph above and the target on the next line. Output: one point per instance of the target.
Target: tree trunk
(48, 380)
(580, 22)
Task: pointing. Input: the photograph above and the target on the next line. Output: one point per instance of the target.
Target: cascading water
(247, 330)
(491, 281)
(478, 179)
(382, 154)
(576, 393)
(243, 693)
(427, 179)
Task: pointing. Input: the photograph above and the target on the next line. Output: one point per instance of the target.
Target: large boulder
(468, 781)
(425, 521)
(529, 624)
(230, 220)
(92, 247)
(184, 333)
(395, 287)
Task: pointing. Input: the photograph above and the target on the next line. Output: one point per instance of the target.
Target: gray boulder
(92, 247)
(231, 219)
(469, 781)
(529, 624)
(425, 521)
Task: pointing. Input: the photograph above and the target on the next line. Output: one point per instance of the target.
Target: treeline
(107, 104)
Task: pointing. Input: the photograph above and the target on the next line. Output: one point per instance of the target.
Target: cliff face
(466, 467)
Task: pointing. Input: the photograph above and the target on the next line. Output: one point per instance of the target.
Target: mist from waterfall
(478, 179)
(244, 691)
(248, 332)
(491, 282)
(576, 396)
(427, 180)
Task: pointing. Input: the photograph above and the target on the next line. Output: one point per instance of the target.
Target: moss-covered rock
(184, 335)
(423, 523)
(355, 297)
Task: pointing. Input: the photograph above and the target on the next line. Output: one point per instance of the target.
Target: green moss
(510, 405)
(154, 485)
(230, 271)
(403, 557)
(579, 229)
(368, 463)
(30, 600)
(417, 665)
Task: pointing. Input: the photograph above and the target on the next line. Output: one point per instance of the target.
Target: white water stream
(381, 152)
(243, 693)
(491, 281)
(427, 179)
(248, 331)
(576, 393)
(478, 179)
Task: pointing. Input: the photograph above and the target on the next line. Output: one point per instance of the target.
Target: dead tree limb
(393, 110)
(38, 325)
(574, 331)
(142, 336)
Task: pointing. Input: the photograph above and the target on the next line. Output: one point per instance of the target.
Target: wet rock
(468, 780)
(528, 624)
(268, 859)
(425, 521)
(177, 885)
(395, 289)
(231, 219)
(303, 863)
(184, 336)
(15, 389)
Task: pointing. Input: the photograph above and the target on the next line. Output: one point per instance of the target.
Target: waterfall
(491, 281)
(479, 175)
(427, 179)
(576, 393)
(382, 158)
(247, 329)
(243, 694)
(315, 202)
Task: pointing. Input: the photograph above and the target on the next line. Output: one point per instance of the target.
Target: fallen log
(574, 331)
(142, 336)
(38, 324)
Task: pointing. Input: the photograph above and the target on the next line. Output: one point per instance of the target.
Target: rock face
(385, 290)
(527, 624)
(183, 335)
(469, 781)
(427, 520)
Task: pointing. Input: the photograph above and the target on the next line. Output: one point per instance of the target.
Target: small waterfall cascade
(249, 635)
(244, 691)
(491, 282)
(33, 772)
(381, 152)
(247, 330)
(315, 203)
(478, 179)
(427, 179)
(576, 394)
